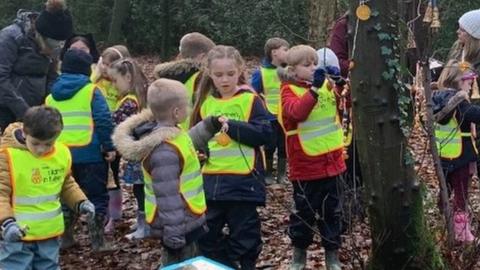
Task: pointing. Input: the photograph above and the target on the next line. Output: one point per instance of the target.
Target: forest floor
(276, 253)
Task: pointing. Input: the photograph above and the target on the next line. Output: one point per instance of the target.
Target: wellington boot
(331, 260)
(67, 240)
(299, 259)
(142, 229)
(97, 236)
(282, 171)
(269, 179)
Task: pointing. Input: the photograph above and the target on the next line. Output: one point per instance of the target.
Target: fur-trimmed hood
(180, 70)
(284, 75)
(13, 137)
(134, 145)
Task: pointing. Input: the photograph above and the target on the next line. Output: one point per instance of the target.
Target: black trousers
(317, 205)
(242, 245)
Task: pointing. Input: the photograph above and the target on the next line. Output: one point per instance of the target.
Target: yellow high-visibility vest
(321, 132)
(121, 101)
(191, 180)
(77, 117)
(233, 158)
(109, 91)
(449, 139)
(271, 88)
(36, 186)
(190, 85)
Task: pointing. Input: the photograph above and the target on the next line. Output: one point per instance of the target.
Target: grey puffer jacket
(140, 138)
(25, 73)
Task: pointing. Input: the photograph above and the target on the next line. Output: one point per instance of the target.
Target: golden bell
(475, 92)
(223, 139)
(435, 19)
(111, 181)
(428, 13)
(363, 12)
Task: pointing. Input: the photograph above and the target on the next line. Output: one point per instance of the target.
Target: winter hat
(55, 21)
(326, 57)
(470, 22)
(77, 62)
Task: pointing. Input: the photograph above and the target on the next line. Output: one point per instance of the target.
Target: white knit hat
(470, 22)
(327, 57)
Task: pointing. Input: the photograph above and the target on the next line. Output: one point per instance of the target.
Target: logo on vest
(47, 175)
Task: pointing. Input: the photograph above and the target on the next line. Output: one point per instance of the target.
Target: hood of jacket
(137, 136)
(179, 70)
(13, 137)
(25, 20)
(67, 85)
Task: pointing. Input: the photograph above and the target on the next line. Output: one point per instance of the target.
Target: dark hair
(42, 122)
(87, 39)
(274, 44)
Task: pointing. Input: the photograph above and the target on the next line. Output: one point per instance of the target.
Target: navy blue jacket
(64, 88)
(254, 133)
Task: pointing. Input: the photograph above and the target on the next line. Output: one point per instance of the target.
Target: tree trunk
(382, 114)
(321, 16)
(119, 14)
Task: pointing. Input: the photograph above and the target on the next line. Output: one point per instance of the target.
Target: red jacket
(303, 167)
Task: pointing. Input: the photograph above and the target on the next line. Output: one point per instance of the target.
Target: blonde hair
(164, 94)
(206, 86)
(301, 53)
(452, 74)
(139, 80)
(194, 44)
(110, 54)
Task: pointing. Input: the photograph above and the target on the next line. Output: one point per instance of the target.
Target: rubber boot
(282, 171)
(67, 240)
(299, 259)
(331, 260)
(142, 229)
(463, 233)
(269, 179)
(97, 236)
(114, 209)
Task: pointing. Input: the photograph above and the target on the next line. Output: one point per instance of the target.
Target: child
(100, 75)
(84, 42)
(87, 131)
(234, 172)
(266, 82)
(34, 177)
(174, 196)
(309, 117)
(193, 49)
(454, 115)
(103, 82)
(131, 83)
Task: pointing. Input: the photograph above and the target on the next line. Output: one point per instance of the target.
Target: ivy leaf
(387, 75)
(384, 36)
(377, 27)
(375, 13)
(386, 50)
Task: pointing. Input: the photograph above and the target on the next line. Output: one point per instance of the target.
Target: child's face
(280, 55)
(462, 35)
(466, 84)
(80, 46)
(123, 83)
(104, 66)
(38, 147)
(304, 71)
(225, 74)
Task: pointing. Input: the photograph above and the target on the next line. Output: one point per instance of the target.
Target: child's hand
(224, 121)
(87, 208)
(201, 156)
(12, 232)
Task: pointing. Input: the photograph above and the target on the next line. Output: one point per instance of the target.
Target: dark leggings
(139, 193)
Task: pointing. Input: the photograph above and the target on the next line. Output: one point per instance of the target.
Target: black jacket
(25, 74)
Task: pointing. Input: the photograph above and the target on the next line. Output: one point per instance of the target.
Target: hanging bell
(475, 92)
(428, 13)
(223, 139)
(435, 19)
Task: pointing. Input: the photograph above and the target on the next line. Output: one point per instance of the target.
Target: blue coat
(64, 88)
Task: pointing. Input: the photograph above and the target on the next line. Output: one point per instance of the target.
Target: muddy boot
(282, 171)
(462, 229)
(67, 240)
(299, 259)
(331, 260)
(142, 228)
(97, 237)
(269, 179)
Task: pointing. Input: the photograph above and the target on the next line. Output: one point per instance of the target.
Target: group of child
(192, 145)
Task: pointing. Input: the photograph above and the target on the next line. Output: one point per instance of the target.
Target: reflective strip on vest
(36, 186)
(77, 117)
(321, 132)
(233, 158)
(150, 200)
(449, 139)
(271, 88)
(190, 85)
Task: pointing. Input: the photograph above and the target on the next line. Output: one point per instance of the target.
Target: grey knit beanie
(470, 22)
(326, 57)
